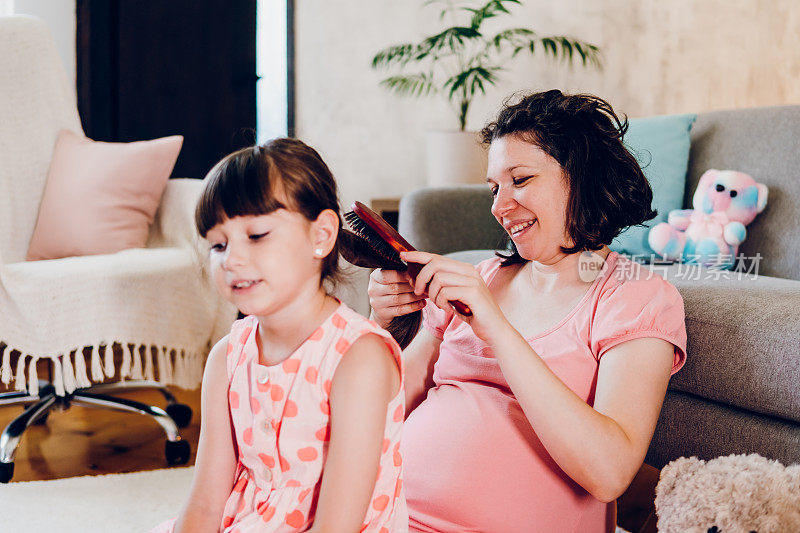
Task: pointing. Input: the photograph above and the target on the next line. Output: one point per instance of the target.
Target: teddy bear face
(734, 193)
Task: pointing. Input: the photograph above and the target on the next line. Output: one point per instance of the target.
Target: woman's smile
(518, 229)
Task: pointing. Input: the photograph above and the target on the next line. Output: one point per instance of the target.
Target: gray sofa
(739, 391)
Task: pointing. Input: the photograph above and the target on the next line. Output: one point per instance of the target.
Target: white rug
(114, 503)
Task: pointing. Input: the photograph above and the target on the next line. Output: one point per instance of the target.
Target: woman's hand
(391, 294)
(445, 280)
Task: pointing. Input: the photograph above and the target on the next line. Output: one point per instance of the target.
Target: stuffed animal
(710, 234)
(732, 494)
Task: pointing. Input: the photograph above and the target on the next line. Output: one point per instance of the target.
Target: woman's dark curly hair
(607, 189)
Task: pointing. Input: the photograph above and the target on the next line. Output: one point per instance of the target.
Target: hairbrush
(387, 242)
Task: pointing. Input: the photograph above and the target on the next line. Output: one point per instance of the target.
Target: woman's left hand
(447, 280)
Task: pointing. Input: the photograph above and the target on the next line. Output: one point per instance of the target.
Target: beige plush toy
(732, 494)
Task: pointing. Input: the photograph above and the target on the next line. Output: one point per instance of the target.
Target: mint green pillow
(661, 146)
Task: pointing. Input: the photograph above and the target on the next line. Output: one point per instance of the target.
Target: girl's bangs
(235, 187)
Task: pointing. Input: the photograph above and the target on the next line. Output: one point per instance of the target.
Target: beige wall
(660, 57)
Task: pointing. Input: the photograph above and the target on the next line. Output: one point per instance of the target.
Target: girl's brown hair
(281, 174)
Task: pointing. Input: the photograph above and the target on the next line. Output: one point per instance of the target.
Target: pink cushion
(101, 197)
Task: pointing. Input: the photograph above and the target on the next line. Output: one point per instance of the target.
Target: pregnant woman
(535, 413)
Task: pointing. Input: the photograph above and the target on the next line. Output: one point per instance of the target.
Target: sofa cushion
(661, 146)
(743, 341)
(101, 197)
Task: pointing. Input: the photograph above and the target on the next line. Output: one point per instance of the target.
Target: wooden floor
(82, 441)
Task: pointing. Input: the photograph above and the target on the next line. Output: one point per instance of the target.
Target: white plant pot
(454, 158)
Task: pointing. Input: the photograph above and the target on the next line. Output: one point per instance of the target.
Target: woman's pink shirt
(472, 460)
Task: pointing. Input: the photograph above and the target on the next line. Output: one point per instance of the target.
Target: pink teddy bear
(710, 234)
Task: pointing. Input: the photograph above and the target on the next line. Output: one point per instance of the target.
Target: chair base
(175, 415)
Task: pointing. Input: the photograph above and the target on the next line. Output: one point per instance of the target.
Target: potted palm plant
(461, 61)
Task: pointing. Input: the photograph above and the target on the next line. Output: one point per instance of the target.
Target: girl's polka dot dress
(281, 422)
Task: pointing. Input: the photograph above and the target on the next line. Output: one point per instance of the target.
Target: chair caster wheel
(180, 413)
(177, 452)
(6, 472)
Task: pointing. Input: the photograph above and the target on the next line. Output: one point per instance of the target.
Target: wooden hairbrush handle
(461, 307)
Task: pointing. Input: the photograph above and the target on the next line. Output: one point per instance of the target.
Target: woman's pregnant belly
(473, 463)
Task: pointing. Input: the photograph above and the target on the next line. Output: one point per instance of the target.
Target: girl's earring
(318, 252)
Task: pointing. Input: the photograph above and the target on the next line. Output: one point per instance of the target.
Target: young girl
(303, 402)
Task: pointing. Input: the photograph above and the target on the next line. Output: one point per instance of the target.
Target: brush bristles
(372, 237)
(357, 250)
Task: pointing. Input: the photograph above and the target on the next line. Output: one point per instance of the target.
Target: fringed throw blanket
(156, 303)
(153, 303)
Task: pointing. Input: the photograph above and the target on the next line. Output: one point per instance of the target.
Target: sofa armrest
(445, 220)
(173, 225)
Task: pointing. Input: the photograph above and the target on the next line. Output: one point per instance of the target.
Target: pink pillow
(101, 197)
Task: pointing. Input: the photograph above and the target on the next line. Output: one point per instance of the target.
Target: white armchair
(153, 307)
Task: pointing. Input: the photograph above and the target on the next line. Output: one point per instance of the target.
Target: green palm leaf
(557, 46)
(401, 54)
(451, 39)
(471, 79)
(516, 37)
(491, 9)
(410, 85)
